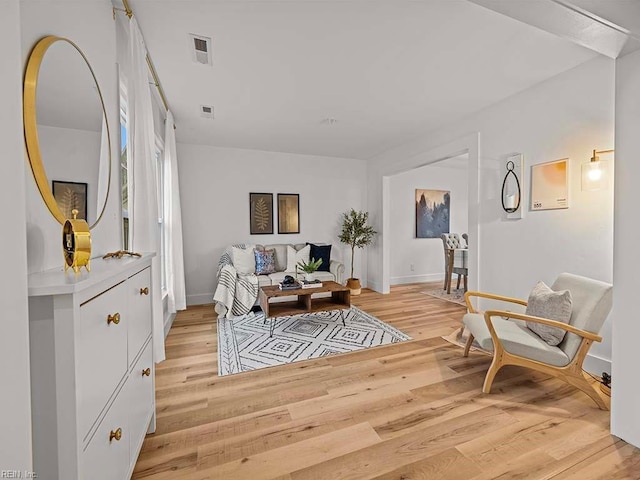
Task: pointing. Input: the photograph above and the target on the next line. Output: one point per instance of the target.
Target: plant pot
(309, 277)
(354, 285)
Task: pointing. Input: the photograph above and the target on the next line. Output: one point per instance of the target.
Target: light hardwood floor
(413, 410)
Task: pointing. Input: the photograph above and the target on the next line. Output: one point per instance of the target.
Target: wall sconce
(595, 173)
(512, 194)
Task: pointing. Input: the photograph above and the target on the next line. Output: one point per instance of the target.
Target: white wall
(91, 26)
(15, 401)
(566, 116)
(625, 414)
(425, 254)
(215, 185)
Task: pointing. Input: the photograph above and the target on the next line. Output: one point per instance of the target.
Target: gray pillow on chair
(544, 302)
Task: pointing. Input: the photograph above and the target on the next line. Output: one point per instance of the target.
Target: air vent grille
(206, 111)
(200, 49)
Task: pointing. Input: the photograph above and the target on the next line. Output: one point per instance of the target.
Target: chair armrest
(491, 296)
(337, 268)
(545, 321)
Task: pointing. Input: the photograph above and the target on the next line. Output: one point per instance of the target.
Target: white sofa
(237, 289)
(335, 273)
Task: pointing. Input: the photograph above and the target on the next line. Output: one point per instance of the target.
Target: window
(162, 227)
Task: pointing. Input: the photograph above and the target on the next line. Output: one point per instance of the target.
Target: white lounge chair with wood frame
(515, 344)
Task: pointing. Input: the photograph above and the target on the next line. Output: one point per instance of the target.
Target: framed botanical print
(288, 213)
(260, 213)
(71, 196)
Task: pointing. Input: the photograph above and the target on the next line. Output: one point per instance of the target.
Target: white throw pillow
(544, 302)
(294, 257)
(244, 261)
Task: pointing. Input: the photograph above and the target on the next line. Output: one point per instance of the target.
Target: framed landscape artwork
(260, 213)
(432, 213)
(550, 185)
(70, 196)
(288, 213)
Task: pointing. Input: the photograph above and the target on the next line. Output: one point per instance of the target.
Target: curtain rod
(156, 81)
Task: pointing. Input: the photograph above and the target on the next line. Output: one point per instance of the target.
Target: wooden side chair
(506, 334)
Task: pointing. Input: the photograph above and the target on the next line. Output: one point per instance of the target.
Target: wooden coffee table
(340, 300)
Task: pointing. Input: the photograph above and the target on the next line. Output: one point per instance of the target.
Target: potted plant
(309, 268)
(355, 233)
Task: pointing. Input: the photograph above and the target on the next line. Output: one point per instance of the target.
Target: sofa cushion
(281, 255)
(323, 252)
(516, 339)
(264, 281)
(544, 302)
(293, 257)
(265, 261)
(243, 259)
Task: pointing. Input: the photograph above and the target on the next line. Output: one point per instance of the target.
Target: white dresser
(92, 371)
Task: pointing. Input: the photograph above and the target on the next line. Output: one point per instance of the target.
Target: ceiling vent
(200, 49)
(206, 111)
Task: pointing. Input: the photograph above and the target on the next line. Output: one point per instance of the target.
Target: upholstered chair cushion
(546, 303)
(516, 339)
(592, 301)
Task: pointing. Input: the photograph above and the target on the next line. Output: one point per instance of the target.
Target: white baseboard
(429, 277)
(596, 365)
(375, 286)
(167, 324)
(200, 299)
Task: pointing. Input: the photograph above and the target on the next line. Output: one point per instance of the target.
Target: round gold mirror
(66, 131)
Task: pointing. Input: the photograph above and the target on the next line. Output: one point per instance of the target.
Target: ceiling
(386, 71)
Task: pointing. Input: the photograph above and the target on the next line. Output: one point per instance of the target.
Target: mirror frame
(31, 125)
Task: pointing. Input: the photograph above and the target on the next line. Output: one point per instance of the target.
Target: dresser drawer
(140, 397)
(102, 353)
(139, 325)
(106, 457)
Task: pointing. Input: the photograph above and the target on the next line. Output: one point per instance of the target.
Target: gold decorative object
(144, 291)
(115, 319)
(76, 244)
(120, 254)
(117, 435)
(146, 372)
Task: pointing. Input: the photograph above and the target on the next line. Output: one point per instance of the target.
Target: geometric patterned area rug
(456, 295)
(244, 343)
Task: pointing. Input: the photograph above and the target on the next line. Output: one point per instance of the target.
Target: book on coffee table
(290, 286)
(311, 284)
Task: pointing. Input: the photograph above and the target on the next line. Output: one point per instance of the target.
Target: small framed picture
(70, 196)
(550, 185)
(260, 213)
(288, 213)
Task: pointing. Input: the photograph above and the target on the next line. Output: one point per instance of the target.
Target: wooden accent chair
(506, 334)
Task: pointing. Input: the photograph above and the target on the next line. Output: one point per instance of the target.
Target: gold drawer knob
(115, 318)
(146, 372)
(117, 435)
(144, 291)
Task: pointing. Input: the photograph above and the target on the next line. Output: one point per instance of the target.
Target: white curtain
(143, 199)
(173, 219)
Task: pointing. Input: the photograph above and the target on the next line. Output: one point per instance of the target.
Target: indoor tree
(355, 233)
